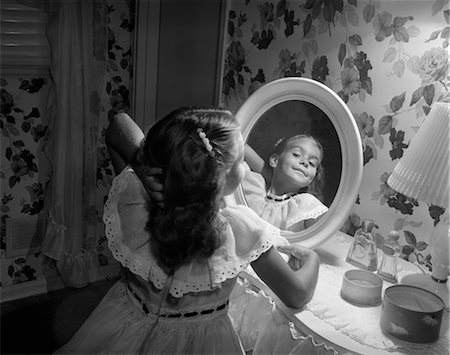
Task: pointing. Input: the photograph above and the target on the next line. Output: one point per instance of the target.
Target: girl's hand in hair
(151, 178)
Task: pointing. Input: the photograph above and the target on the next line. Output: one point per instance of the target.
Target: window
(24, 43)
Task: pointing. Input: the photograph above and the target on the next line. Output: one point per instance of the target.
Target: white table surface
(332, 254)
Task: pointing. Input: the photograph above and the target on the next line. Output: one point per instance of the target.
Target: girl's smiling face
(296, 167)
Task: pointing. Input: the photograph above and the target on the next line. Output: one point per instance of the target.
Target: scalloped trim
(123, 254)
(314, 213)
(150, 270)
(207, 282)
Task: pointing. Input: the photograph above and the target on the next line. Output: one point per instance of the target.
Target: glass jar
(363, 251)
(388, 265)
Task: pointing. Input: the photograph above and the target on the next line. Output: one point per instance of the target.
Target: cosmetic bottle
(363, 251)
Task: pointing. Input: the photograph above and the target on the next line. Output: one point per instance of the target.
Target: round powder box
(411, 313)
(361, 288)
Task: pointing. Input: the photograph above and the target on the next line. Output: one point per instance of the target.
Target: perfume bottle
(363, 251)
(388, 265)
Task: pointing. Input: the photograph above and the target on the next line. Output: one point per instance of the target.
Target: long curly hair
(316, 186)
(195, 147)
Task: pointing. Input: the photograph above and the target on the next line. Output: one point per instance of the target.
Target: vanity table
(306, 105)
(345, 327)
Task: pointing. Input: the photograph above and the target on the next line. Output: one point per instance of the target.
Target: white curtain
(78, 37)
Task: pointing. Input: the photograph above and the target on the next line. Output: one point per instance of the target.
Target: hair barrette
(278, 142)
(206, 142)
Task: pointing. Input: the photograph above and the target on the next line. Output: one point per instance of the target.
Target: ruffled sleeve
(302, 207)
(125, 217)
(252, 235)
(254, 187)
(289, 213)
(246, 237)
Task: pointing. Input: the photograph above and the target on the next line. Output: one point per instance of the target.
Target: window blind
(23, 40)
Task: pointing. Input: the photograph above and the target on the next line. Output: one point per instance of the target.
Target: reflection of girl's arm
(256, 163)
(252, 158)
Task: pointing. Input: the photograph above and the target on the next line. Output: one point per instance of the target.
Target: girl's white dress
(136, 317)
(284, 212)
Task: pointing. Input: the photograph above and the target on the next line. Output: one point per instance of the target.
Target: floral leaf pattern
(320, 69)
(396, 138)
(402, 203)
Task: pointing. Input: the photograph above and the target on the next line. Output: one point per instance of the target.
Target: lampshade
(422, 174)
(423, 171)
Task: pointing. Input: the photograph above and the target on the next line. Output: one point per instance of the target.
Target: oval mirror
(288, 106)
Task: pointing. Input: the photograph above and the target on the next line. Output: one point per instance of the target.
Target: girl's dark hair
(188, 225)
(316, 186)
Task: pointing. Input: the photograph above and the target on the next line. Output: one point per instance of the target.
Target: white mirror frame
(331, 104)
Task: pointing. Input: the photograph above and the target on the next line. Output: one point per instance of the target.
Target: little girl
(182, 258)
(286, 191)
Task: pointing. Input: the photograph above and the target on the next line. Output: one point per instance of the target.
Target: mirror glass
(290, 106)
(293, 117)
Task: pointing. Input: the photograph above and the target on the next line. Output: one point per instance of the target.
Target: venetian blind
(23, 39)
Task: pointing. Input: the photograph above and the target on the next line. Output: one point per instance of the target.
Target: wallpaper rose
(387, 61)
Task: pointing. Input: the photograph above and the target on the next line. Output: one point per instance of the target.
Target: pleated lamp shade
(423, 171)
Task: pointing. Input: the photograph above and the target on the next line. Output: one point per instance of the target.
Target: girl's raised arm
(293, 282)
(123, 139)
(256, 163)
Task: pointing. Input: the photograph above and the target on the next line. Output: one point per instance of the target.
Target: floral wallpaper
(387, 61)
(25, 169)
(23, 131)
